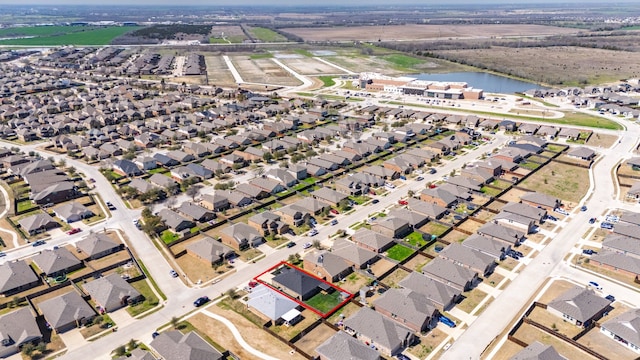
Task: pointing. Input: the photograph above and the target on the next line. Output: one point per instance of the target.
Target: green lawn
(150, 299)
(261, 56)
(415, 239)
(266, 35)
(97, 36)
(158, 170)
(26, 205)
(402, 60)
(327, 80)
(490, 191)
(42, 30)
(399, 252)
(324, 302)
(359, 199)
(529, 165)
(169, 236)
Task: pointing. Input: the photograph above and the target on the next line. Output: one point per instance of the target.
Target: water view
(485, 81)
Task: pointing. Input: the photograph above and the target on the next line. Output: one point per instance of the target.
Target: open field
(315, 338)
(229, 34)
(266, 35)
(263, 71)
(565, 182)
(418, 32)
(602, 140)
(92, 36)
(218, 71)
(310, 66)
(563, 65)
(529, 334)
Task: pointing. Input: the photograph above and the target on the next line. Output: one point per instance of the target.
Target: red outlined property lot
(329, 297)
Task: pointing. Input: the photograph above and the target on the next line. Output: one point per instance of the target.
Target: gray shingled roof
(378, 328)
(540, 198)
(538, 351)
(66, 308)
(15, 274)
(486, 245)
(96, 243)
(448, 271)
(406, 304)
(35, 222)
(109, 291)
(627, 230)
(436, 291)
(342, 346)
(472, 258)
(352, 252)
(296, 281)
(525, 210)
(190, 346)
(431, 210)
(626, 326)
(579, 303)
(210, 249)
(500, 232)
(53, 261)
(19, 326)
(622, 243)
(332, 263)
(619, 261)
(138, 354)
(371, 238)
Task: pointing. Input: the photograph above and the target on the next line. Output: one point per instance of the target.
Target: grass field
(42, 30)
(324, 302)
(91, 36)
(403, 61)
(261, 56)
(399, 252)
(415, 239)
(327, 81)
(566, 182)
(150, 299)
(266, 35)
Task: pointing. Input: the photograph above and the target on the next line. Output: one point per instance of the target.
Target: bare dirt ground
(417, 262)
(256, 337)
(218, 72)
(364, 64)
(507, 351)
(310, 66)
(315, 338)
(562, 65)
(418, 32)
(559, 180)
(513, 195)
(529, 334)
(602, 140)
(263, 71)
(556, 288)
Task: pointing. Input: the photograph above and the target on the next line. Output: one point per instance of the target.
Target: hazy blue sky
(292, 2)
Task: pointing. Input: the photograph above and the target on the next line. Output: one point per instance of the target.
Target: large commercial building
(412, 86)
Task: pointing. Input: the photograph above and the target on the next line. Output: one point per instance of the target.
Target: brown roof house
(57, 262)
(241, 236)
(579, 306)
(16, 276)
(66, 312)
(374, 329)
(326, 265)
(409, 308)
(210, 251)
(98, 245)
(392, 227)
(112, 292)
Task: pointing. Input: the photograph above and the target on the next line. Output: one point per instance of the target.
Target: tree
(231, 293)
(62, 163)
(120, 351)
(98, 320)
(132, 344)
(411, 193)
(41, 347)
(267, 157)
(344, 205)
(259, 171)
(174, 322)
(28, 349)
(316, 244)
(193, 191)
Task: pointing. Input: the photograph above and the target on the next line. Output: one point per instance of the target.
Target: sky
(291, 2)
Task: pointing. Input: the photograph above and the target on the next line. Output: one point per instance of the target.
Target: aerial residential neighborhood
(252, 185)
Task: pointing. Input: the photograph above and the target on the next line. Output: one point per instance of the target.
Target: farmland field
(86, 36)
(310, 66)
(218, 71)
(263, 71)
(266, 35)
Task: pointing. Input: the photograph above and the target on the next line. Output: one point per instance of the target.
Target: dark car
(38, 243)
(592, 221)
(583, 208)
(588, 252)
(110, 206)
(155, 334)
(173, 273)
(2, 254)
(402, 357)
(201, 301)
(291, 244)
(375, 201)
(610, 298)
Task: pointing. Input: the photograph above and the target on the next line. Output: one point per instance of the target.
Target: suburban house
(354, 255)
(176, 222)
(328, 196)
(269, 303)
(409, 308)
(67, 311)
(268, 223)
(162, 181)
(622, 244)
(374, 329)
(515, 221)
(269, 185)
(372, 240)
(415, 219)
(126, 168)
(57, 262)
(112, 292)
(579, 306)
(616, 262)
(534, 213)
(214, 202)
(469, 258)
(627, 230)
(252, 191)
(495, 248)
(72, 211)
(342, 346)
(282, 176)
(432, 211)
(210, 251)
(17, 328)
(392, 227)
(16, 276)
(175, 345)
(443, 296)
(582, 153)
(538, 351)
(456, 276)
(196, 212)
(505, 234)
(293, 215)
(97, 245)
(327, 265)
(55, 193)
(624, 328)
(297, 283)
(545, 201)
(241, 236)
(438, 196)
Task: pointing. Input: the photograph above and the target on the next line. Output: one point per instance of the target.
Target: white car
(307, 245)
(313, 232)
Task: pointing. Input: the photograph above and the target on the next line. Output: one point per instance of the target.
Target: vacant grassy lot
(97, 36)
(403, 61)
(266, 35)
(327, 81)
(434, 228)
(472, 299)
(399, 252)
(529, 334)
(395, 277)
(602, 140)
(566, 182)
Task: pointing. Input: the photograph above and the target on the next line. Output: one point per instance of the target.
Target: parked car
(550, 217)
(402, 357)
(291, 244)
(334, 222)
(561, 211)
(445, 320)
(390, 185)
(432, 171)
(3, 254)
(38, 243)
(307, 245)
(313, 232)
(606, 225)
(512, 254)
(173, 273)
(419, 178)
(402, 177)
(253, 284)
(110, 206)
(432, 186)
(403, 202)
(595, 285)
(583, 208)
(375, 201)
(588, 252)
(155, 334)
(201, 301)
(610, 298)
(592, 221)
(334, 211)
(74, 231)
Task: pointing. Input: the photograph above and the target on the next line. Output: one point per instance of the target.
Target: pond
(490, 83)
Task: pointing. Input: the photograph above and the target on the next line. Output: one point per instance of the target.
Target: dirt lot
(529, 334)
(604, 345)
(457, 236)
(417, 262)
(256, 337)
(218, 72)
(602, 140)
(472, 299)
(288, 332)
(542, 316)
(315, 338)
(381, 266)
(198, 270)
(513, 195)
(469, 225)
(562, 181)
(556, 288)
(418, 32)
(506, 351)
(563, 65)
(263, 71)
(573, 160)
(353, 282)
(484, 215)
(427, 343)
(394, 278)
(310, 66)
